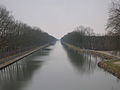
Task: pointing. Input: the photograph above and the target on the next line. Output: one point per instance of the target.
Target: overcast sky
(58, 17)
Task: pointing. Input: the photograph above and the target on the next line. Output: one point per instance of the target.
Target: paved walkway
(108, 53)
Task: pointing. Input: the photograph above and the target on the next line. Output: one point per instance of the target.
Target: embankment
(111, 63)
(20, 56)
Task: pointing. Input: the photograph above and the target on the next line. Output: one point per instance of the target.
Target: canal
(56, 68)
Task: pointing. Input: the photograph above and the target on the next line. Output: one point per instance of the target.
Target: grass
(112, 65)
(108, 65)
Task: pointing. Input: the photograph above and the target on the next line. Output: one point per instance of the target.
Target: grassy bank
(12, 59)
(112, 66)
(111, 63)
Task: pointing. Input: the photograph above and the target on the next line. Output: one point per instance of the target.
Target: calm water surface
(56, 68)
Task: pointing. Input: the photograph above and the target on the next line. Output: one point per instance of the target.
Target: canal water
(57, 68)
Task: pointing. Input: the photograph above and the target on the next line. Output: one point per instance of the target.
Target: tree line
(84, 37)
(90, 41)
(16, 36)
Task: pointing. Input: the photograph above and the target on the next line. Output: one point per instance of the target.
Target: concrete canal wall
(22, 55)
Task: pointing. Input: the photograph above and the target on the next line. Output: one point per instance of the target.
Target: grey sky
(58, 17)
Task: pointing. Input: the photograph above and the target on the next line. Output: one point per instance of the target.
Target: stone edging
(26, 53)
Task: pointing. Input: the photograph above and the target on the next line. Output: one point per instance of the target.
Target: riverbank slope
(110, 64)
(17, 57)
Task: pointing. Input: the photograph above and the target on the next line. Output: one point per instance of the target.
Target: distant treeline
(16, 36)
(85, 37)
(92, 42)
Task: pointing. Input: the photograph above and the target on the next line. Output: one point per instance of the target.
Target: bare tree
(113, 25)
(15, 36)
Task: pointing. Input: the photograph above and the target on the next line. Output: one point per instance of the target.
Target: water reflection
(18, 75)
(83, 62)
(57, 71)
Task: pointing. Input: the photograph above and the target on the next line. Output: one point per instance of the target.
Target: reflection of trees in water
(83, 62)
(16, 76)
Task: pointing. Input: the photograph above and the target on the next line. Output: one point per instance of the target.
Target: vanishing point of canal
(56, 68)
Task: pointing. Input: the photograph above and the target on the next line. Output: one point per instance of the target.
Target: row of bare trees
(16, 36)
(86, 38)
